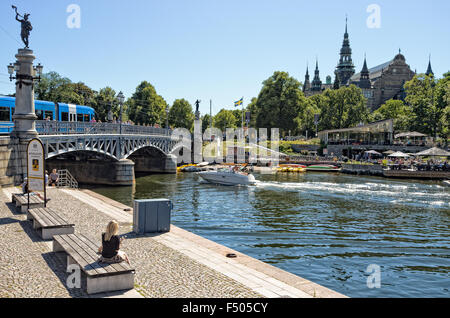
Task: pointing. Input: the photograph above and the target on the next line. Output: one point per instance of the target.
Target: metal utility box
(152, 216)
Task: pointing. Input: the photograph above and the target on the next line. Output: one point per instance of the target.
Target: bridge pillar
(24, 115)
(170, 164)
(124, 174)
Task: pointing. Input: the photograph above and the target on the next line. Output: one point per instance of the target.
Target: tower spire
(429, 69)
(316, 83)
(307, 84)
(364, 81)
(345, 68)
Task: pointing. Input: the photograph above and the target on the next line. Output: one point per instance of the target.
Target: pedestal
(24, 114)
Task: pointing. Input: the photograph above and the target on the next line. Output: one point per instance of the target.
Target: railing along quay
(45, 127)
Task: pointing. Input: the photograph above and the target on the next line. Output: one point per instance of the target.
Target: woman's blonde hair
(111, 230)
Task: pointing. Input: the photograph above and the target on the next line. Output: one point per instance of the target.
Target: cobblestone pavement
(28, 268)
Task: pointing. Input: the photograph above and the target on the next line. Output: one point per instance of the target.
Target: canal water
(333, 229)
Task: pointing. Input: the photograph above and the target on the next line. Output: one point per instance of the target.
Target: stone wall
(372, 170)
(12, 167)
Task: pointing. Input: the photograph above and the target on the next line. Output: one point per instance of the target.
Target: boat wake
(394, 193)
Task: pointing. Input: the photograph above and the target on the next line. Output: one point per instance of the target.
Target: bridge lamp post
(21, 78)
(167, 116)
(121, 100)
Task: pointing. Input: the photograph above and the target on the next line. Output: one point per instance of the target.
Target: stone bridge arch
(110, 159)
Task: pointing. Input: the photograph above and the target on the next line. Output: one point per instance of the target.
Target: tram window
(39, 114)
(4, 114)
(64, 116)
(48, 114)
(86, 118)
(79, 117)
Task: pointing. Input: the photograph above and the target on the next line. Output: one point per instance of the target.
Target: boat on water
(291, 168)
(227, 177)
(191, 169)
(446, 182)
(324, 168)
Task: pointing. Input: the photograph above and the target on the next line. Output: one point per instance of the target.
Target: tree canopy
(181, 114)
(146, 107)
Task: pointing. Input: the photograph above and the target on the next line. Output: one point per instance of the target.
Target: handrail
(65, 179)
(45, 127)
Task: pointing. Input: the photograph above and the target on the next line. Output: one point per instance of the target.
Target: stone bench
(100, 277)
(48, 223)
(21, 201)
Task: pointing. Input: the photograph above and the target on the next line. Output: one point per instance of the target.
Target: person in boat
(110, 248)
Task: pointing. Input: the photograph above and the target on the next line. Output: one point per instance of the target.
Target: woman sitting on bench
(110, 248)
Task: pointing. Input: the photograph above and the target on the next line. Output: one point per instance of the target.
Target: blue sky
(219, 50)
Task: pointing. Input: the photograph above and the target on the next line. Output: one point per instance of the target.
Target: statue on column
(26, 27)
(197, 111)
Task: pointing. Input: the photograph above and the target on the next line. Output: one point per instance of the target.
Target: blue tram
(44, 110)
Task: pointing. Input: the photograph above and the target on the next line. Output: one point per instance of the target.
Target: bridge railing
(45, 127)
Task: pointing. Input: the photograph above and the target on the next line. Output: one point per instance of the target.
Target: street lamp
(21, 78)
(167, 116)
(121, 100)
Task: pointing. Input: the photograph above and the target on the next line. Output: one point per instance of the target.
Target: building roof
(410, 134)
(374, 72)
(378, 126)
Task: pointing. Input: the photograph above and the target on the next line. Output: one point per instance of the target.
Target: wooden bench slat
(86, 267)
(119, 267)
(42, 216)
(57, 217)
(74, 242)
(91, 267)
(92, 256)
(51, 218)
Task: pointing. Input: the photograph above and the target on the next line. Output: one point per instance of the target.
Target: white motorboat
(227, 177)
(191, 169)
(447, 183)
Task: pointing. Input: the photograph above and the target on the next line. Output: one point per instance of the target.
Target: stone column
(170, 165)
(124, 173)
(24, 115)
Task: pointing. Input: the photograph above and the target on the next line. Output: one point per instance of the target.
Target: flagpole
(242, 115)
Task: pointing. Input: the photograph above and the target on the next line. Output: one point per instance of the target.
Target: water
(327, 228)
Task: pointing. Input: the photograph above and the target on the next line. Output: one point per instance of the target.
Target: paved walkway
(175, 264)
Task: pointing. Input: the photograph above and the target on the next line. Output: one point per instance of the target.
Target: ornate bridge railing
(44, 127)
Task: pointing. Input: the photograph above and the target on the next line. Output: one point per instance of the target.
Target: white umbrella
(373, 152)
(399, 154)
(434, 152)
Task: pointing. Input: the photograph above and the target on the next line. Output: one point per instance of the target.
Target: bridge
(106, 153)
(99, 153)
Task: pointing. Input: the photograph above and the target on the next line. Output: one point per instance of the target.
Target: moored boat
(325, 168)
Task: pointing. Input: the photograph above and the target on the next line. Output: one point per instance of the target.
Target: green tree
(253, 112)
(341, 108)
(47, 89)
(105, 100)
(224, 119)
(305, 118)
(205, 122)
(396, 110)
(427, 99)
(146, 106)
(278, 103)
(181, 114)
